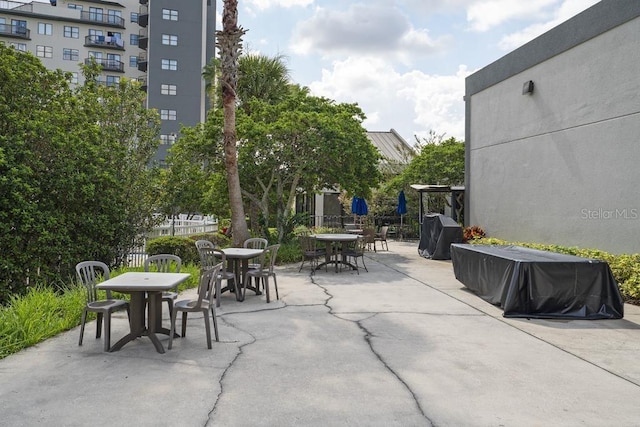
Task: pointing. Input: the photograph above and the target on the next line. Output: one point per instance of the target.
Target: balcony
(16, 31)
(142, 62)
(107, 64)
(143, 16)
(106, 42)
(143, 82)
(101, 18)
(143, 38)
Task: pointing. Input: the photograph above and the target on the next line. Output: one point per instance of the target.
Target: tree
(303, 143)
(229, 43)
(440, 161)
(72, 171)
(262, 77)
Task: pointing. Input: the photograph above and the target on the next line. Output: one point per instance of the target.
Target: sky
(403, 62)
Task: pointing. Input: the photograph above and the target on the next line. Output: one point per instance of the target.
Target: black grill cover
(437, 234)
(538, 284)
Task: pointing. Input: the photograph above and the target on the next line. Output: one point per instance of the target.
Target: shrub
(472, 233)
(218, 239)
(184, 247)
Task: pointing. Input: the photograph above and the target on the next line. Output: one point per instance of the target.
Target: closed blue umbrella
(402, 203)
(402, 208)
(359, 206)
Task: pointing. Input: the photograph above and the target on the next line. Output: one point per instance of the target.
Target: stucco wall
(561, 165)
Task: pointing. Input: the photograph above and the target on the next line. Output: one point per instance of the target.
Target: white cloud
(266, 4)
(567, 9)
(412, 103)
(362, 29)
(484, 15)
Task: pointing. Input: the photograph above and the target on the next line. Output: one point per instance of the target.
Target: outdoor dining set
(248, 268)
(159, 281)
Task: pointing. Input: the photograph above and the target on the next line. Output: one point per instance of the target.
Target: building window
(133, 39)
(74, 78)
(22, 47)
(169, 14)
(70, 54)
(168, 114)
(134, 16)
(133, 61)
(170, 64)
(168, 89)
(96, 13)
(168, 139)
(44, 51)
(112, 80)
(114, 16)
(71, 32)
(46, 29)
(169, 40)
(95, 32)
(74, 6)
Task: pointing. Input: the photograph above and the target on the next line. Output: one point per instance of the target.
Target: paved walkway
(402, 345)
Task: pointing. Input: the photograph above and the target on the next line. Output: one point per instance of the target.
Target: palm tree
(229, 42)
(262, 77)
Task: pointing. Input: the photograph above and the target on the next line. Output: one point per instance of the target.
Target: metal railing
(177, 227)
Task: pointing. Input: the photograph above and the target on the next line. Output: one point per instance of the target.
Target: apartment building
(164, 44)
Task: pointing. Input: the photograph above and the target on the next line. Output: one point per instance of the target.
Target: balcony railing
(104, 41)
(97, 17)
(143, 38)
(17, 31)
(107, 64)
(143, 82)
(143, 15)
(142, 62)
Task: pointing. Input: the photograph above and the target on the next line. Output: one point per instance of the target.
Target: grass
(43, 313)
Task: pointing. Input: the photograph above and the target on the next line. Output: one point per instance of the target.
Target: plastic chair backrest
(273, 253)
(207, 285)
(89, 277)
(164, 263)
(200, 244)
(210, 257)
(256, 243)
(383, 232)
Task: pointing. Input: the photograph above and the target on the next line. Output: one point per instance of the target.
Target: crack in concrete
(367, 337)
(229, 366)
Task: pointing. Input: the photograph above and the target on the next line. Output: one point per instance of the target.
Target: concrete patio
(401, 345)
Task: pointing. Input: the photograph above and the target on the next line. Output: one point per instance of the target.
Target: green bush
(289, 253)
(218, 239)
(184, 247)
(625, 268)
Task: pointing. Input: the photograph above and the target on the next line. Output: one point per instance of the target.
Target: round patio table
(335, 243)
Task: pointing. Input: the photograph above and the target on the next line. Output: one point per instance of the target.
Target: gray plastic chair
(209, 258)
(165, 263)
(266, 270)
(203, 304)
(255, 243)
(89, 272)
(200, 244)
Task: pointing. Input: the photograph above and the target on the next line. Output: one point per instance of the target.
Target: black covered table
(437, 233)
(538, 284)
